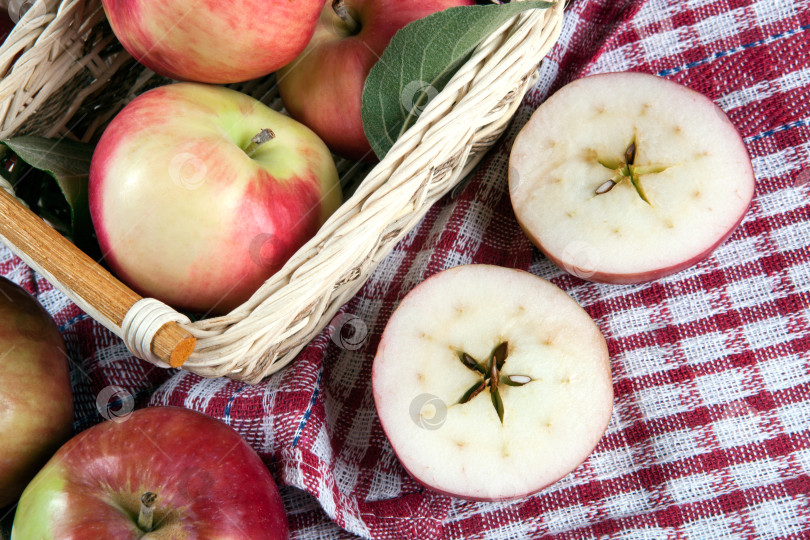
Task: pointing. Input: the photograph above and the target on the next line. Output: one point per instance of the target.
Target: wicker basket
(72, 76)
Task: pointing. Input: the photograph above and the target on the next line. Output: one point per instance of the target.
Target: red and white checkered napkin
(710, 435)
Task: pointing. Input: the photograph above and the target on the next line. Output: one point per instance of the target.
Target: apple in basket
(216, 41)
(323, 87)
(199, 193)
(158, 472)
(36, 401)
(491, 383)
(627, 177)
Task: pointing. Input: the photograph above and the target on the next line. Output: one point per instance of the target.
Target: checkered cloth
(710, 434)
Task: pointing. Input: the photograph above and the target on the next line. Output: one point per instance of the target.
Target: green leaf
(68, 163)
(420, 60)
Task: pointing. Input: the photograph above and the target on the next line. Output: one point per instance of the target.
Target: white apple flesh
(627, 177)
(554, 383)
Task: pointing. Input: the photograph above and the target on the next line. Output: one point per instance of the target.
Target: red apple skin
(205, 243)
(209, 483)
(36, 401)
(216, 41)
(323, 87)
(631, 278)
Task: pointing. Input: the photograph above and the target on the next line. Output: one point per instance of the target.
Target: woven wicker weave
(264, 334)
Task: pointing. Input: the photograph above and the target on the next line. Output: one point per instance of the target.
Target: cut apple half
(491, 383)
(627, 177)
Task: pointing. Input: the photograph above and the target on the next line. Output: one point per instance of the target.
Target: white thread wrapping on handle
(142, 322)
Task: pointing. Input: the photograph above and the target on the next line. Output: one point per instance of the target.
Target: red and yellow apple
(36, 401)
(164, 472)
(323, 87)
(627, 177)
(491, 383)
(191, 208)
(216, 41)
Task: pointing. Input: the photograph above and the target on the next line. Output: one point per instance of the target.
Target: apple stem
(340, 9)
(264, 136)
(147, 511)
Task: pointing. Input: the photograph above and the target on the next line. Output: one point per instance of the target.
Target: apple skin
(323, 87)
(625, 278)
(216, 41)
(209, 483)
(36, 401)
(184, 215)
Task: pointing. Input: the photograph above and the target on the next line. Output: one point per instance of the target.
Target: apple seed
(490, 377)
(471, 363)
(630, 153)
(605, 187)
(516, 380)
(627, 170)
(474, 390)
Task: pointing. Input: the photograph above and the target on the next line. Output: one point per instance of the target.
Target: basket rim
(414, 173)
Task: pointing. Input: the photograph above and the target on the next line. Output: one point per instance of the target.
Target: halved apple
(491, 383)
(627, 177)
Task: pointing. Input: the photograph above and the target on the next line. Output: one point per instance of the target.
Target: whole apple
(36, 401)
(216, 41)
(199, 193)
(323, 87)
(161, 472)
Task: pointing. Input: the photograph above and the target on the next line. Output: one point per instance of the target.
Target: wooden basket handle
(82, 279)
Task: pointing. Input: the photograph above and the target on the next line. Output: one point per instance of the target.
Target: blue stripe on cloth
(721, 54)
(308, 412)
(226, 415)
(74, 320)
(783, 127)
